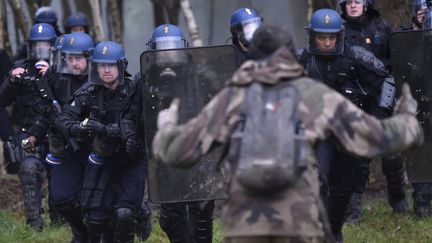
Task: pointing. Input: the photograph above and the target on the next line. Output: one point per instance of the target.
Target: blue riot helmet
(326, 25)
(244, 23)
(74, 51)
(46, 15)
(40, 41)
(167, 36)
(107, 64)
(75, 21)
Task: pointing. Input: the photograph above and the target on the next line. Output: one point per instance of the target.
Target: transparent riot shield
(411, 55)
(194, 75)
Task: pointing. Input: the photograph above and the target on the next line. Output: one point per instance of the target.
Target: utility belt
(19, 149)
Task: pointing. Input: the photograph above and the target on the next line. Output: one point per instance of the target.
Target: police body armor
(194, 75)
(411, 56)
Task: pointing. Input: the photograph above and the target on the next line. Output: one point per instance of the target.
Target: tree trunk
(20, 19)
(191, 23)
(32, 7)
(116, 19)
(97, 20)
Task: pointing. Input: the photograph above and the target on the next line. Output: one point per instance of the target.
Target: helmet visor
(170, 42)
(39, 50)
(246, 29)
(75, 64)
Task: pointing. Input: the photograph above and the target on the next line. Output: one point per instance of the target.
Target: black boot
(422, 199)
(354, 213)
(73, 215)
(338, 204)
(393, 169)
(143, 227)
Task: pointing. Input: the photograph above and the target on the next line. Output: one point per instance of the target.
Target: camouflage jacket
(293, 212)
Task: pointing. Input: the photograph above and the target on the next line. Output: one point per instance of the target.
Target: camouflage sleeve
(181, 145)
(326, 112)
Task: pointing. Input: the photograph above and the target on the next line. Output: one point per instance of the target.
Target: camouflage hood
(281, 65)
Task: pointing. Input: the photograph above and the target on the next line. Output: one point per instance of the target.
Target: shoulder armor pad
(86, 88)
(368, 60)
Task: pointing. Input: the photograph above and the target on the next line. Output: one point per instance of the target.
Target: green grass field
(379, 225)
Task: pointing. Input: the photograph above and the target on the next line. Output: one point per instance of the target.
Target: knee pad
(96, 226)
(124, 215)
(30, 165)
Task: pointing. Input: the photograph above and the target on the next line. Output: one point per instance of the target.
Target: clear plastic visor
(75, 64)
(246, 29)
(39, 50)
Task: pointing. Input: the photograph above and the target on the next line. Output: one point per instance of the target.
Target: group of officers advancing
(90, 116)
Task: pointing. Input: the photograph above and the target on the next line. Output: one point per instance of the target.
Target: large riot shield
(411, 54)
(194, 75)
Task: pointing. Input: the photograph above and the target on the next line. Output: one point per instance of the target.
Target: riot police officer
(113, 185)
(244, 22)
(354, 72)
(422, 194)
(77, 22)
(28, 145)
(364, 27)
(68, 73)
(43, 15)
(181, 221)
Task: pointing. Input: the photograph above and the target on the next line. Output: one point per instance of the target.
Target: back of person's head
(46, 15)
(267, 39)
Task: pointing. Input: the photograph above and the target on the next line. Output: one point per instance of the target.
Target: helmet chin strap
(112, 85)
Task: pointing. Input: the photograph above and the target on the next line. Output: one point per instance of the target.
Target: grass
(379, 224)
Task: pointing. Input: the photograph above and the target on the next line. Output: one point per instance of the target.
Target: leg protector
(124, 225)
(201, 218)
(422, 199)
(338, 204)
(393, 169)
(72, 213)
(355, 210)
(30, 175)
(96, 229)
(175, 223)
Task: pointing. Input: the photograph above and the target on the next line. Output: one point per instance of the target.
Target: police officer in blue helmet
(77, 22)
(243, 24)
(357, 74)
(181, 221)
(70, 65)
(326, 33)
(47, 15)
(53, 93)
(18, 88)
(113, 184)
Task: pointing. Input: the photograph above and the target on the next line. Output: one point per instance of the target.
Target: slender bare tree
(116, 20)
(97, 20)
(191, 23)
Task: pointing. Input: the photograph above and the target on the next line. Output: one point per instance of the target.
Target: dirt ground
(10, 192)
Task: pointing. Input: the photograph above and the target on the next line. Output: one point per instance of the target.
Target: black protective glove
(79, 131)
(131, 147)
(96, 127)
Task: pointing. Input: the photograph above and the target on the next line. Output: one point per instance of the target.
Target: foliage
(379, 225)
